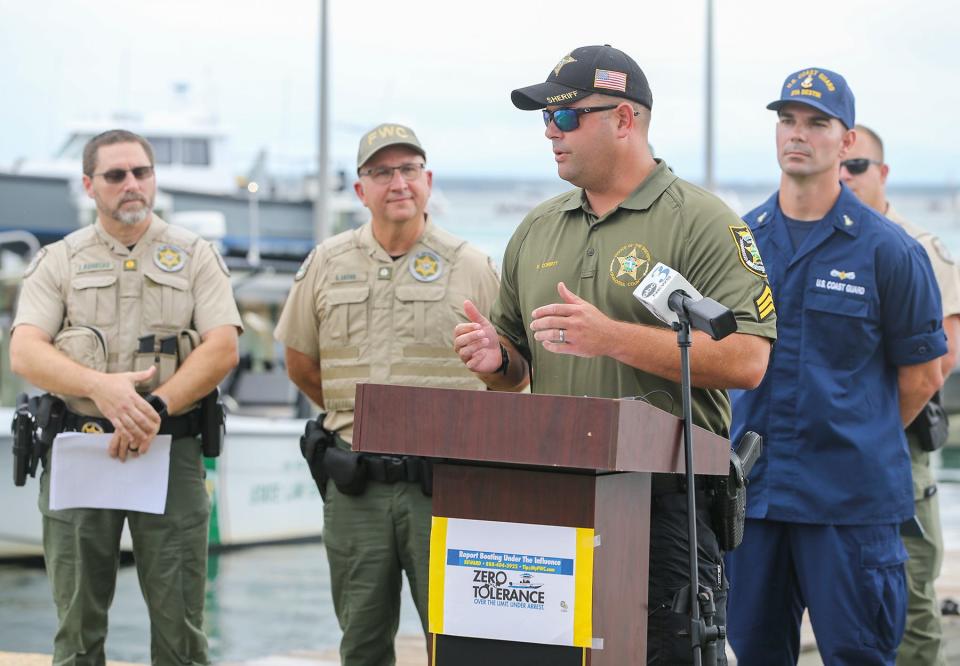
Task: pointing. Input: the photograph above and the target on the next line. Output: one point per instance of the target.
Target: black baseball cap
(587, 70)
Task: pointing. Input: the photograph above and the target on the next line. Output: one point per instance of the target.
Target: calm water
(260, 601)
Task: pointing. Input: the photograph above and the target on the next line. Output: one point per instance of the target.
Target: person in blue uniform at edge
(858, 341)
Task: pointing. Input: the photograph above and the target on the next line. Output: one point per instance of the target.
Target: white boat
(260, 490)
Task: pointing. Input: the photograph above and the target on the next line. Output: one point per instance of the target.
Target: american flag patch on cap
(605, 78)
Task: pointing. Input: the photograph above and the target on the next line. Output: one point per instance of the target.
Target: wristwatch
(158, 404)
(504, 361)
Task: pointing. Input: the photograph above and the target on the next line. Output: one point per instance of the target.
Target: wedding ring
(563, 336)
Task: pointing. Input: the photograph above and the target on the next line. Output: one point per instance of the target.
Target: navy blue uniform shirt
(855, 301)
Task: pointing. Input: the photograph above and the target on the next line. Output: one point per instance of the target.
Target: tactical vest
(118, 298)
(389, 322)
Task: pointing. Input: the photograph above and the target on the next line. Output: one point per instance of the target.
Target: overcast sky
(447, 67)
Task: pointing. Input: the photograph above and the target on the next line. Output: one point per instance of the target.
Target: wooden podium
(544, 460)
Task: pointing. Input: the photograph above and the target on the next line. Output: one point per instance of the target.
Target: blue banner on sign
(481, 559)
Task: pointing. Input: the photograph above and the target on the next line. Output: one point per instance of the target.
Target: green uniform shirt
(603, 259)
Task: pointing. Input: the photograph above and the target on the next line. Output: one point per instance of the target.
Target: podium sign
(511, 581)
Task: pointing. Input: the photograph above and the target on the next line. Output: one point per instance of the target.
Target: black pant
(670, 571)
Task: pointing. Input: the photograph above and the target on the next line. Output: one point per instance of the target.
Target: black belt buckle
(395, 469)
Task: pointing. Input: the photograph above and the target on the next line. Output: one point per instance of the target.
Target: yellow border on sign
(438, 549)
(583, 589)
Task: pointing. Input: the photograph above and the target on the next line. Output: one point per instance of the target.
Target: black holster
(313, 445)
(932, 426)
(212, 428)
(729, 510)
(348, 470)
(36, 423)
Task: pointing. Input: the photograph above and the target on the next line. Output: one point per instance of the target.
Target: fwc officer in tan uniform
(85, 303)
(865, 172)
(378, 304)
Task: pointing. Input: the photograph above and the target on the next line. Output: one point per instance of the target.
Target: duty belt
(185, 425)
(668, 484)
(391, 469)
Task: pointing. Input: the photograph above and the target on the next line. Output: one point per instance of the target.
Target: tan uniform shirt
(945, 270)
(170, 281)
(364, 316)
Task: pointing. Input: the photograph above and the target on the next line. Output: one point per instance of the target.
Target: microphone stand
(704, 635)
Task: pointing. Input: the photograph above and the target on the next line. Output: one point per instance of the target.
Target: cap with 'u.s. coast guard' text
(387, 134)
(821, 89)
(588, 70)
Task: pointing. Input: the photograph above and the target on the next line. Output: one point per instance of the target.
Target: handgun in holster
(212, 428)
(36, 422)
(932, 427)
(23, 429)
(313, 446)
(729, 508)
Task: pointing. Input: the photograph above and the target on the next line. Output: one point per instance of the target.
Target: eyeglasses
(567, 118)
(857, 166)
(117, 176)
(384, 174)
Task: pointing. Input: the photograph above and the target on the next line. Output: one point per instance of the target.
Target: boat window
(73, 148)
(196, 152)
(162, 149)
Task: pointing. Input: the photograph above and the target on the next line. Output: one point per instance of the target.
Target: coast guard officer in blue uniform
(858, 335)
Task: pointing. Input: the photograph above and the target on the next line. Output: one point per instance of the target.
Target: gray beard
(131, 217)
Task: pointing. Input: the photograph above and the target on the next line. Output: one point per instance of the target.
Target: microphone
(669, 297)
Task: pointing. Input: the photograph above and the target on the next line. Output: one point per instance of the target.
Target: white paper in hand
(84, 476)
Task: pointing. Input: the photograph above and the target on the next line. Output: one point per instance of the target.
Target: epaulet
(183, 238)
(759, 216)
(442, 242)
(342, 242)
(79, 239)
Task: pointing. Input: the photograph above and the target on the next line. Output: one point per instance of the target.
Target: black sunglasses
(567, 118)
(116, 176)
(858, 165)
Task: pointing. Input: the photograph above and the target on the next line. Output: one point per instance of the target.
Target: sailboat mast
(321, 203)
(709, 181)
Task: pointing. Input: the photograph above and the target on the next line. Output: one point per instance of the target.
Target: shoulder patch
(747, 249)
(302, 271)
(34, 262)
(764, 303)
(220, 261)
(942, 250)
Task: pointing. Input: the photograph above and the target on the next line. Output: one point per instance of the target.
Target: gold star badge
(92, 428)
(169, 258)
(426, 266)
(630, 264)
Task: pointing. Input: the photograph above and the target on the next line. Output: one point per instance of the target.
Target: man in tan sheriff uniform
(86, 303)
(865, 172)
(379, 304)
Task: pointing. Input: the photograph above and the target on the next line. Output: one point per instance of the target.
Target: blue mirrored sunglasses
(567, 118)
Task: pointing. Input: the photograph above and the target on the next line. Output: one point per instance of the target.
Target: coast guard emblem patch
(169, 258)
(630, 264)
(747, 249)
(426, 266)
